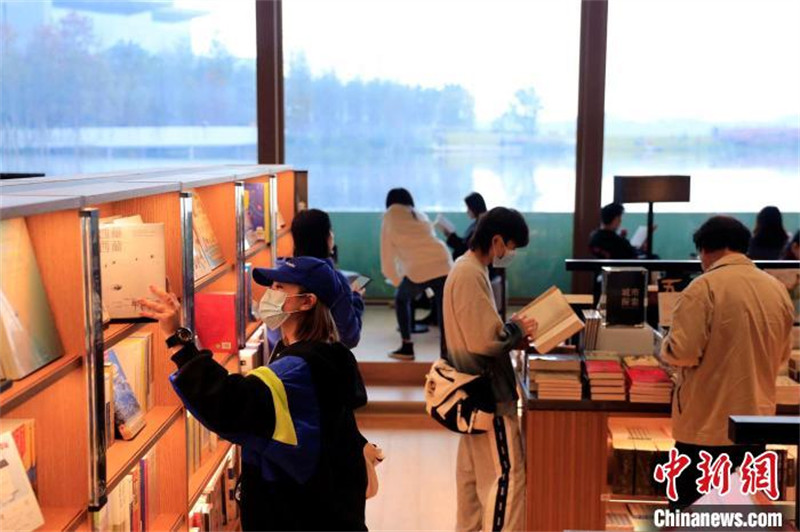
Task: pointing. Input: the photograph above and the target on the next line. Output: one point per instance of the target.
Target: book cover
(19, 509)
(625, 295)
(623, 466)
(134, 353)
(128, 416)
(596, 368)
(555, 362)
(108, 407)
(557, 321)
(132, 259)
(201, 266)
(255, 197)
(648, 375)
(205, 233)
(28, 335)
(215, 319)
(23, 433)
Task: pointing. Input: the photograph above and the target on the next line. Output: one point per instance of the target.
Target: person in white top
(414, 261)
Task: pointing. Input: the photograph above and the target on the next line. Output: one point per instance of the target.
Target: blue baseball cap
(313, 274)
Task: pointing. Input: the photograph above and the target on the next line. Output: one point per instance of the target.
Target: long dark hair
(769, 231)
(317, 325)
(310, 232)
(399, 196)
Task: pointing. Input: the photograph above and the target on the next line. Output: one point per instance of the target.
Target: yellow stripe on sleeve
(284, 428)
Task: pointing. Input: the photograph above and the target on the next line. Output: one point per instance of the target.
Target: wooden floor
(379, 337)
(417, 478)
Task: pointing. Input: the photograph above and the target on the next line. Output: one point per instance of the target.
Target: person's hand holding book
(529, 327)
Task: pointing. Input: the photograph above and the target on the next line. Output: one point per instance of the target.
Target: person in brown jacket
(730, 334)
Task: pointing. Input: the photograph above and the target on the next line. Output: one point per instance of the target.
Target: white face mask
(271, 308)
(505, 260)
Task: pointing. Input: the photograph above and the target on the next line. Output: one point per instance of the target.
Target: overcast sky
(715, 60)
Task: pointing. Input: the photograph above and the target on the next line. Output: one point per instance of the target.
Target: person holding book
(730, 334)
(490, 471)
(414, 261)
(609, 242)
(303, 457)
(313, 236)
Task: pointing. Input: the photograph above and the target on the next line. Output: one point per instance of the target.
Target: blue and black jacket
(302, 454)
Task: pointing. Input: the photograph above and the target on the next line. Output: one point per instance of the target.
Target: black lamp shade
(651, 188)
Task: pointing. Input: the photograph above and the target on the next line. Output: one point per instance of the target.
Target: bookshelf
(75, 473)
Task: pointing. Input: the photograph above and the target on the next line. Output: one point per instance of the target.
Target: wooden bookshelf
(200, 478)
(123, 455)
(37, 381)
(56, 396)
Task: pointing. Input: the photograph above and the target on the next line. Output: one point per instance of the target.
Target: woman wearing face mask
(414, 261)
(303, 462)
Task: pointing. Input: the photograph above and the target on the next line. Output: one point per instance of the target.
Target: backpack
(460, 402)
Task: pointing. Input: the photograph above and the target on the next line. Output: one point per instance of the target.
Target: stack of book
(787, 391)
(556, 376)
(638, 445)
(606, 379)
(592, 319)
(647, 381)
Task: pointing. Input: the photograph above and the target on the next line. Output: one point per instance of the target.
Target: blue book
(128, 416)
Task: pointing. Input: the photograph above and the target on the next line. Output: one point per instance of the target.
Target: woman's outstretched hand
(167, 310)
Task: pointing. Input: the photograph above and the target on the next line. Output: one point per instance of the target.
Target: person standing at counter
(490, 470)
(605, 242)
(730, 333)
(414, 261)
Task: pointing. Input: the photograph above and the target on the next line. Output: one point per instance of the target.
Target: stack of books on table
(556, 376)
(606, 379)
(787, 391)
(647, 381)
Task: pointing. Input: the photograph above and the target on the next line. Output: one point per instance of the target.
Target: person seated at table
(769, 236)
(606, 242)
(730, 334)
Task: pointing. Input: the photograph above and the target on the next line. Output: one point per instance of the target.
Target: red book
(603, 366)
(648, 375)
(215, 319)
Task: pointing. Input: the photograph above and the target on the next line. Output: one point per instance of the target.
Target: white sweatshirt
(409, 247)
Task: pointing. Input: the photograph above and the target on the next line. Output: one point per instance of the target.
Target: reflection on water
(531, 184)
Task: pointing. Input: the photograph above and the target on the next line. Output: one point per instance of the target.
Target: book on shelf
(250, 305)
(108, 407)
(637, 446)
(201, 266)
(557, 321)
(129, 418)
(20, 509)
(201, 224)
(256, 202)
(132, 257)
(249, 359)
(126, 509)
(24, 435)
(215, 319)
(135, 356)
(28, 335)
(593, 319)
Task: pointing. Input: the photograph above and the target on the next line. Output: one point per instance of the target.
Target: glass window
(440, 97)
(105, 85)
(708, 89)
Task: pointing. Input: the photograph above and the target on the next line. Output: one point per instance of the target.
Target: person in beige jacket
(414, 261)
(490, 468)
(731, 331)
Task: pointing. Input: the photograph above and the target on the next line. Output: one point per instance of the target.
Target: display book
(217, 508)
(132, 258)
(129, 367)
(637, 445)
(556, 320)
(206, 250)
(128, 506)
(19, 507)
(256, 208)
(29, 338)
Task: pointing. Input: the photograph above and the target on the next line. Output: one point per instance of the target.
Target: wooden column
(589, 151)
(269, 81)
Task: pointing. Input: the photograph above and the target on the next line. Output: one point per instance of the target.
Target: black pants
(686, 483)
(406, 293)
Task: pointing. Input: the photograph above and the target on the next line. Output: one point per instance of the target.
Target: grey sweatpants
(490, 478)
